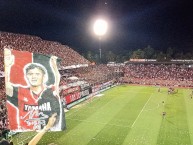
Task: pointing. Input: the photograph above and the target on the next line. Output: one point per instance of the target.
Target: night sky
(133, 24)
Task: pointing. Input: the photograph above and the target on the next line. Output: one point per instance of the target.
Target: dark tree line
(145, 53)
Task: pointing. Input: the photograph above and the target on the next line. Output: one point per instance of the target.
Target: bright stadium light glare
(100, 27)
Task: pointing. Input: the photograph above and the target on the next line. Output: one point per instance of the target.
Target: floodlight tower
(100, 29)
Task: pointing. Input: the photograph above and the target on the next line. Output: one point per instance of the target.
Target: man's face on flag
(35, 77)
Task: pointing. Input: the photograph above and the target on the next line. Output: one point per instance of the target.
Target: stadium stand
(79, 78)
(180, 75)
(96, 74)
(36, 44)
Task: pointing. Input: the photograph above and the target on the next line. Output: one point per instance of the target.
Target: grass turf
(128, 115)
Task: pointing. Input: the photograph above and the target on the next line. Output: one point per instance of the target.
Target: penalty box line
(141, 111)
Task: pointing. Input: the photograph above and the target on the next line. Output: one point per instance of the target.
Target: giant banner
(32, 82)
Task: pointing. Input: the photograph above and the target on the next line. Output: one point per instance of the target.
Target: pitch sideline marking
(141, 110)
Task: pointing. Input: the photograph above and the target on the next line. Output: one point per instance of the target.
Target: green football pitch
(127, 115)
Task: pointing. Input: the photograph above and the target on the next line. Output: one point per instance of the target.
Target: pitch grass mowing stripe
(141, 111)
(85, 111)
(101, 103)
(96, 103)
(144, 132)
(89, 108)
(189, 108)
(174, 128)
(103, 115)
(115, 135)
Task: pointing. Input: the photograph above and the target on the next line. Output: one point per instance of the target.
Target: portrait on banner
(32, 90)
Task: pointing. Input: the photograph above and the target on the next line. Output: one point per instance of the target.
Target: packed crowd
(95, 74)
(3, 116)
(3, 110)
(159, 74)
(36, 44)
